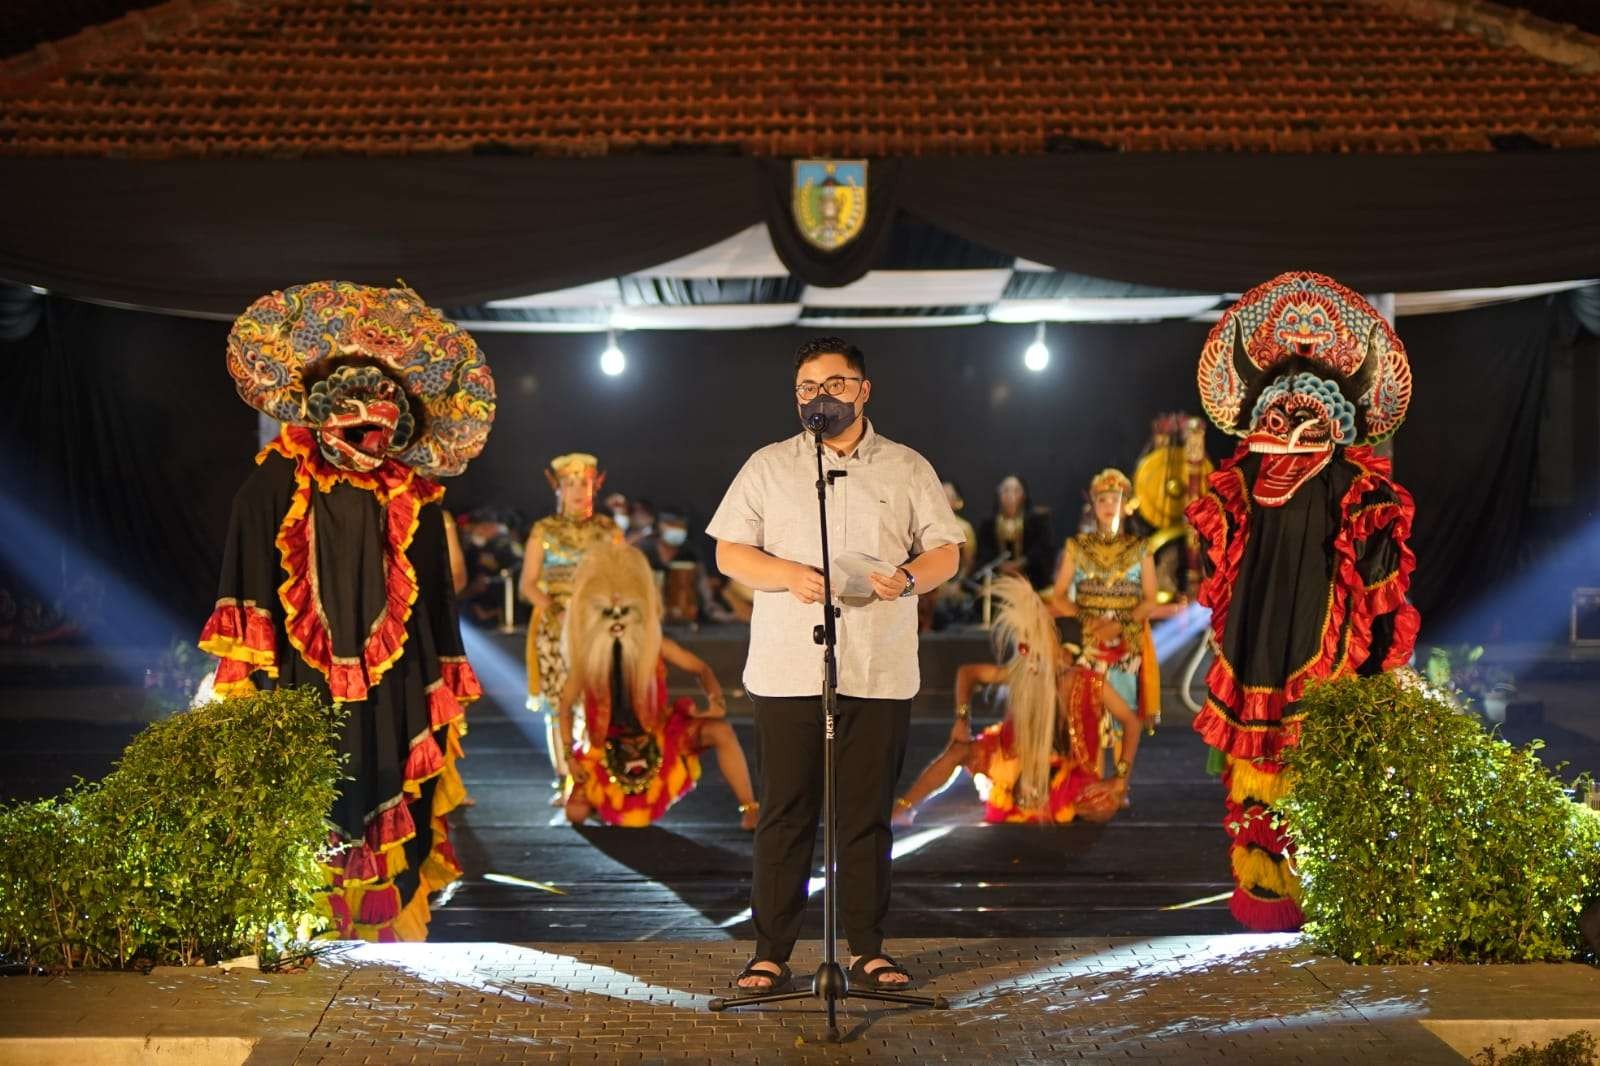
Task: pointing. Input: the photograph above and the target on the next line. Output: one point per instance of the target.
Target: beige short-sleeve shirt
(890, 504)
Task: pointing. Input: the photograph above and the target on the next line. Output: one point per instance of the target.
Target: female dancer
(555, 547)
(1108, 580)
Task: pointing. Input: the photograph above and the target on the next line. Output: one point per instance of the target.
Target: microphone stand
(830, 984)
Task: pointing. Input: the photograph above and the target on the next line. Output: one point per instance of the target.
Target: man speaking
(890, 505)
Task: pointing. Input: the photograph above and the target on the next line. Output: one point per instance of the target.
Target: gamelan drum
(681, 602)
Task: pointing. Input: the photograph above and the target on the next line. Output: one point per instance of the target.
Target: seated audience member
(641, 521)
(489, 548)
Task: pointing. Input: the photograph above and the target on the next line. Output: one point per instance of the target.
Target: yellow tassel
(449, 791)
(233, 648)
(412, 922)
(1254, 868)
(1003, 773)
(436, 872)
(396, 859)
(230, 690)
(1246, 782)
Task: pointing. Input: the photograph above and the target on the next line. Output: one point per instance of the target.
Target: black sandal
(779, 982)
(859, 974)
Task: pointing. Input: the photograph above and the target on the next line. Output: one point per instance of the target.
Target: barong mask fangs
(1315, 366)
(362, 417)
(376, 373)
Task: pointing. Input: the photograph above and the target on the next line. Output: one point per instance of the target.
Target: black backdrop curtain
(1467, 451)
(121, 445)
(212, 235)
(122, 437)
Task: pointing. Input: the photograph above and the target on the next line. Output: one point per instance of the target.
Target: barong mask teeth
(1314, 366)
(361, 417)
(303, 356)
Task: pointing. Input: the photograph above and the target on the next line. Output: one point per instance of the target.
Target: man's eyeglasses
(807, 391)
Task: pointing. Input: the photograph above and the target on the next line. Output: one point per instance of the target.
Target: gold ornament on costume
(1162, 480)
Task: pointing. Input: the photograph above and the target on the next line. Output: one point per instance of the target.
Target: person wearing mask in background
(641, 521)
(680, 574)
(617, 507)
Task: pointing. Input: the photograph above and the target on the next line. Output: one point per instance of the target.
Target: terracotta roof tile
(783, 77)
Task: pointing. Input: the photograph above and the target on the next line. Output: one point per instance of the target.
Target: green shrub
(201, 844)
(1574, 1049)
(1423, 838)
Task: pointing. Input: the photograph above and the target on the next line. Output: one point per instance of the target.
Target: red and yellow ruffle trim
(676, 777)
(994, 759)
(1254, 722)
(240, 635)
(403, 493)
(1266, 896)
(363, 900)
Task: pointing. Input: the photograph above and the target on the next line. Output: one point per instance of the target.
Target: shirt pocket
(885, 522)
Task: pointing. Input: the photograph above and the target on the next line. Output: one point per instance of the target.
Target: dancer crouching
(1042, 762)
(640, 753)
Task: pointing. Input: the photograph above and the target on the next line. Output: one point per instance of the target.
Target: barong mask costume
(1310, 375)
(336, 571)
(639, 750)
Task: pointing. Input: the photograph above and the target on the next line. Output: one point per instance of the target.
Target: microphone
(817, 422)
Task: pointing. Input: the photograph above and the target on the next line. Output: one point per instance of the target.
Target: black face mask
(827, 414)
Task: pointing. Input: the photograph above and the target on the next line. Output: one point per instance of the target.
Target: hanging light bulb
(1037, 357)
(612, 361)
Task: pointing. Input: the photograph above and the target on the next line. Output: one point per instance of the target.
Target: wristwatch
(911, 583)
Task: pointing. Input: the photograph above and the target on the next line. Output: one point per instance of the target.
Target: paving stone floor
(1231, 998)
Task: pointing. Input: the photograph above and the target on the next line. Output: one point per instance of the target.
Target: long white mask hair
(614, 597)
(1025, 641)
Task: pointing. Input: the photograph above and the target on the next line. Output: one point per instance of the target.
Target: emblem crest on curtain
(829, 201)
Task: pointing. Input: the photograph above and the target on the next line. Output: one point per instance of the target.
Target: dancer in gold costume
(555, 547)
(1108, 580)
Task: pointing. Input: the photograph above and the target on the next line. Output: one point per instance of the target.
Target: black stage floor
(531, 877)
(688, 877)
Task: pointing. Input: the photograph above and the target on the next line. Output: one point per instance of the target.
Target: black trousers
(869, 752)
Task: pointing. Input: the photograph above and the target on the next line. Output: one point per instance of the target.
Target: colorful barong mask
(1302, 365)
(362, 417)
(376, 373)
